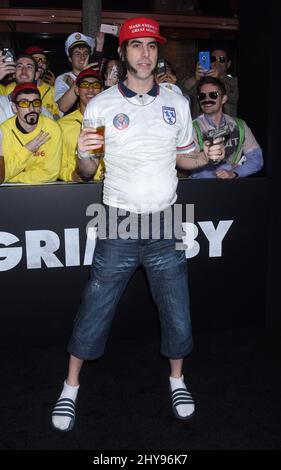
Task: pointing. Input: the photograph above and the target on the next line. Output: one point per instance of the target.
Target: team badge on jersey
(169, 115)
(121, 121)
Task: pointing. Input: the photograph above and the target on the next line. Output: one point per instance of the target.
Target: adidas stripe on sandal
(65, 407)
(181, 396)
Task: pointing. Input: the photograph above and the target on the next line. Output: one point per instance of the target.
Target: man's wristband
(87, 155)
(83, 155)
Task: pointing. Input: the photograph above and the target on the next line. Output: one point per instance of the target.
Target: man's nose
(145, 51)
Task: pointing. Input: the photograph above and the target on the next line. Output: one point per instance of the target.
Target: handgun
(213, 134)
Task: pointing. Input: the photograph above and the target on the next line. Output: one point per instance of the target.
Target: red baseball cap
(34, 50)
(88, 73)
(140, 27)
(24, 87)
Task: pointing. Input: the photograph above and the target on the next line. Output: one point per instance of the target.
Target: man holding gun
(243, 155)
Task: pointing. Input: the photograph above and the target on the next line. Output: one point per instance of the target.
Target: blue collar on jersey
(129, 93)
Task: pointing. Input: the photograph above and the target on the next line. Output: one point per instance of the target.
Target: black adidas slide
(180, 396)
(65, 407)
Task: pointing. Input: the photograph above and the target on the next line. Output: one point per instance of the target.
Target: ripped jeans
(115, 261)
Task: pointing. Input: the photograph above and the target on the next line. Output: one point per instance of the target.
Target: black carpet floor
(124, 401)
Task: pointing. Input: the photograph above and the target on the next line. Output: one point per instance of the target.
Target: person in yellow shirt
(88, 85)
(47, 91)
(30, 143)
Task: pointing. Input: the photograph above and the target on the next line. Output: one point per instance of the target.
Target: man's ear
(76, 91)
(37, 75)
(14, 108)
(69, 59)
(224, 99)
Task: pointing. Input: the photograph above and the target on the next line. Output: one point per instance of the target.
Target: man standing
(30, 144)
(243, 155)
(140, 179)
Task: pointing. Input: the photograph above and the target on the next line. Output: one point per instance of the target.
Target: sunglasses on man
(26, 103)
(218, 58)
(86, 84)
(40, 60)
(213, 95)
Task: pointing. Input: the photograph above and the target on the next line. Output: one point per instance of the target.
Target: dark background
(217, 8)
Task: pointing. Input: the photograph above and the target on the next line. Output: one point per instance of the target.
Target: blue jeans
(114, 263)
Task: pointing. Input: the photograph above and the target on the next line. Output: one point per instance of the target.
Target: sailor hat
(78, 39)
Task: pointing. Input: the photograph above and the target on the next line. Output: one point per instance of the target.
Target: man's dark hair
(78, 46)
(123, 55)
(221, 47)
(28, 56)
(123, 49)
(211, 81)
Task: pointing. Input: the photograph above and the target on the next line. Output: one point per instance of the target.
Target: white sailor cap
(78, 39)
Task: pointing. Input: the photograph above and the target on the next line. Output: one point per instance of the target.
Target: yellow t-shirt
(24, 166)
(71, 127)
(48, 99)
(9, 88)
(2, 90)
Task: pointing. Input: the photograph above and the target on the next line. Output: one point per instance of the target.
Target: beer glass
(99, 124)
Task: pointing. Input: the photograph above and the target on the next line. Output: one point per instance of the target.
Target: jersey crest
(169, 115)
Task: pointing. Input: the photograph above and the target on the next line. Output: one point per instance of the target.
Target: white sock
(63, 422)
(186, 409)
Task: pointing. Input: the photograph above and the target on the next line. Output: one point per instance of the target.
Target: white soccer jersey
(143, 134)
(63, 83)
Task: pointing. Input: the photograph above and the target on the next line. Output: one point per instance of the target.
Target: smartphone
(109, 29)
(161, 67)
(45, 73)
(8, 55)
(204, 60)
